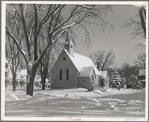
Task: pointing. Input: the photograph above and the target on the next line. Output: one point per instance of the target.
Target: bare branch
(25, 29)
(17, 11)
(104, 59)
(46, 18)
(86, 32)
(71, 15)
(17, 43)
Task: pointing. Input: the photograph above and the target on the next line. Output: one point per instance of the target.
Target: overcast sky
(119, 40)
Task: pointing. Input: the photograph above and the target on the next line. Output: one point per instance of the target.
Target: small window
(67, 74)
(60, 74)
(6, 65)
(83, 81)
(6, 74)
(64, 58)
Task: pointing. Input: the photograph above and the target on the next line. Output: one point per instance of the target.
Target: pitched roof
(86, 71)
(81, 61)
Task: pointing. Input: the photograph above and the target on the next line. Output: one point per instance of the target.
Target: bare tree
(142, 13)
(104, 58)
(137, 23)
(12, 52)
(33, 17)
(125, 70)
(45, 61)
(141, 61)
(49, 57)
(13, 58)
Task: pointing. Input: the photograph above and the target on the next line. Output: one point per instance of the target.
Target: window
(6, 65)
(67, 74)
(60, 74)
(64, 58)
(6, 74)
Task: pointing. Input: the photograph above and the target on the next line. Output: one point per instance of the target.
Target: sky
(119, 40)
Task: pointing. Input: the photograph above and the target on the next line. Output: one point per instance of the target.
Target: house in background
(20, 76)
(104, 82)
(132, 81)
(141, 76)
(73, 70)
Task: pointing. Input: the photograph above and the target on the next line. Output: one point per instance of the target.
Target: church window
(6, 74)
(64, 58)
(67, 74)
(60, 74)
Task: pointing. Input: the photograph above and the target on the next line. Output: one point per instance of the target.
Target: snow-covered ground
(71, 102)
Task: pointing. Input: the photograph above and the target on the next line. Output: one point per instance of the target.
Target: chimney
(68, 45)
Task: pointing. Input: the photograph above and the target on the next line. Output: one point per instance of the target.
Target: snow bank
(11, 97)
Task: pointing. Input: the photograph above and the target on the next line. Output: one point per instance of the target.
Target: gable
(60, 61)
(80, 62)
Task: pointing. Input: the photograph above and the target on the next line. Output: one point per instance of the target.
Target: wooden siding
(64, 64)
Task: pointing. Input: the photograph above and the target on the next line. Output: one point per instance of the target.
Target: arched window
(67, 74)
(60, 74)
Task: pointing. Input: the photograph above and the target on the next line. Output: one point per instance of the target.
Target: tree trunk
(14, 81)
(30, 79)
(43, 77)
(142, 21)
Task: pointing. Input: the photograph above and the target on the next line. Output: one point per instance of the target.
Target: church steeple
(68, 44)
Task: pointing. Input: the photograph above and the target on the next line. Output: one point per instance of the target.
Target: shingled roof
(81, 62)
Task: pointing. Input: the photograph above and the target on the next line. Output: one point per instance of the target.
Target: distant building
(132, 81)
(20, 76)
(142, 76)
(73, 70)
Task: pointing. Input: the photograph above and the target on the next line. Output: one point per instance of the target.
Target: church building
(73, 70)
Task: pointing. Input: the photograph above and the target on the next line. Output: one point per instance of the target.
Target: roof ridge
(81, 61)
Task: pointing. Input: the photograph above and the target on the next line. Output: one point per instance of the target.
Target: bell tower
(68, 45)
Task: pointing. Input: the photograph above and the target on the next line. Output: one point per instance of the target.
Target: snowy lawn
(54, 102)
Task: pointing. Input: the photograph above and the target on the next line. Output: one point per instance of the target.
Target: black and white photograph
(74, 61)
